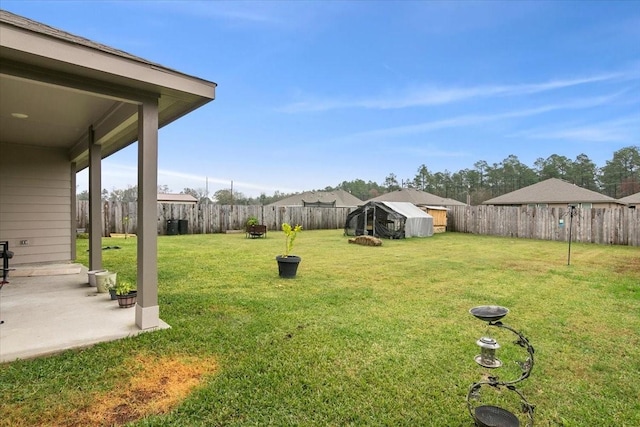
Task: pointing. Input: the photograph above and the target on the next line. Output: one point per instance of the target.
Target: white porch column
(95, 203)
(147, 309)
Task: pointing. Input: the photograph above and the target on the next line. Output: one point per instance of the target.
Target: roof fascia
(76, 55)
(74, 82)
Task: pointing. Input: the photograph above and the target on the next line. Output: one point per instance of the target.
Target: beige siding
(35, 203)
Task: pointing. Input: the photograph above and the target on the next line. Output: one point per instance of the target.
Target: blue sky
(311, 94)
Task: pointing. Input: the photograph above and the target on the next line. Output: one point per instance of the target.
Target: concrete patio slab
(47, 314)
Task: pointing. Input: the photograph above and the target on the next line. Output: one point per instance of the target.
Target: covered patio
(55, 309)
(67, 103)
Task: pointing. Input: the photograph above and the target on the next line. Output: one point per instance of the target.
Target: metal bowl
(493, 416)
(489, 313)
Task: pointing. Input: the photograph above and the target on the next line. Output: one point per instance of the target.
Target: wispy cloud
(432, 151)
(115, 175)
(250, 14)
(238, 12)
(624, 130)
(470, 120)
(120, 176)
(188, 177)
(429, 96)
(202, 180)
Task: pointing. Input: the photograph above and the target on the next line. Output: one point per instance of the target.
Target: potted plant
(91, 274)
(254, 229)
(112, 292)
(126, 294)
(287, 263)
(125, 221)
(104, 280)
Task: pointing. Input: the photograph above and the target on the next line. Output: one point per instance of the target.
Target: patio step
(45, 270)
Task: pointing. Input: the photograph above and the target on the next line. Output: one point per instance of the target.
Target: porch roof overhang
(66, 84)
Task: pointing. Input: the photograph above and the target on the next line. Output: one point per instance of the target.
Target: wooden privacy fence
(121, 217)
(612, 226)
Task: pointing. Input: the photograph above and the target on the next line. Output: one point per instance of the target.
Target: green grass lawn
(363, 335)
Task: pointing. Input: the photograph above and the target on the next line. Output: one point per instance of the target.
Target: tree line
(619, 177)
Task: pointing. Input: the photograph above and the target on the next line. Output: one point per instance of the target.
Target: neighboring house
(554, 192)
(323, 199)
(177, 198)
(66, 103)
(632, 201)
(417, 197)
(435, 206)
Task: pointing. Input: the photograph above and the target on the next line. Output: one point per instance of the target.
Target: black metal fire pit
(493, 416)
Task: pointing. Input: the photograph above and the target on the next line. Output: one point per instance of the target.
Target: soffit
(65, 87)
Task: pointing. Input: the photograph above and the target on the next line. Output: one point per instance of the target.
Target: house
(177, 198)
(322, 199)
(632, 201)
(393, 220)
(417, 197)
(66, 103)
(554, 192)
(435, 206)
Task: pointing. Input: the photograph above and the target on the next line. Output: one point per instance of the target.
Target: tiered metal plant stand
(490, 415)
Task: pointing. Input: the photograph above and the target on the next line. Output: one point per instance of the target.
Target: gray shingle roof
(552, 190)
(38, 27)
(417, 197)
(632, 199)
(341, 198)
